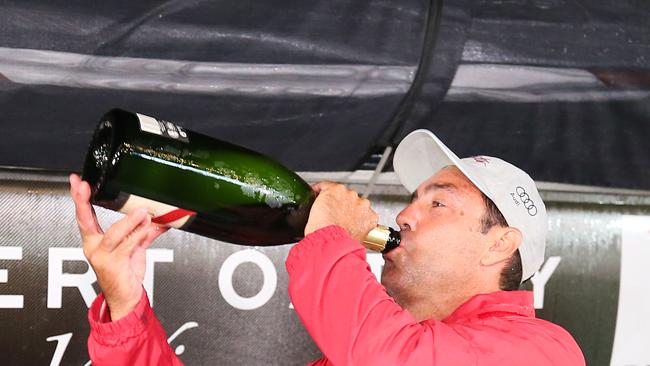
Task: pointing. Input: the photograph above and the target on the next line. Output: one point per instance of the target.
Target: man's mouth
(389, 255)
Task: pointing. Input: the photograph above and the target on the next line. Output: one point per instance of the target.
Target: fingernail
(139, 213)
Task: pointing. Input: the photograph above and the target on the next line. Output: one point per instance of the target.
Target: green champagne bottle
(199, 184)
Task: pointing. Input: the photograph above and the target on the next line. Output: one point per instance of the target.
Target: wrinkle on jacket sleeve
(137, 339)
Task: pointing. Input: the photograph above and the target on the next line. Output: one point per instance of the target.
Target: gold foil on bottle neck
(377, 238)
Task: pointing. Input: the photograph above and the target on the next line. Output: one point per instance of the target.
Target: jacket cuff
(330, 241)
(114, 333)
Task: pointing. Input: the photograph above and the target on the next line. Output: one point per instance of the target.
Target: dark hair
(511, 274)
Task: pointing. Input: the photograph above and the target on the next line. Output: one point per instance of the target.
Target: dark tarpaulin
(307, 127)
(590, 127)
(321, 85)
(589, 143)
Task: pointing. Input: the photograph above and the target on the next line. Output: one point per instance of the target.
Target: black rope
(406, 105)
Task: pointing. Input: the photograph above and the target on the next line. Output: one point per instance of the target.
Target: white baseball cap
(421, 154)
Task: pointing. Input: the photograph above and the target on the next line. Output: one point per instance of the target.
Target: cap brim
(421, 154)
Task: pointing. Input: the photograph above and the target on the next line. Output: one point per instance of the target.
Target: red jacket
(354, 322)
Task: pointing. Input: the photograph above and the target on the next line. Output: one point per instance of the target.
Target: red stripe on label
(172, 216)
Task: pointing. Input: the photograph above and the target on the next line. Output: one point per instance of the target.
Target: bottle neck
(382, 239)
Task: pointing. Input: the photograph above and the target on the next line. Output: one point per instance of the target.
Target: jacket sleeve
(349, 314)
(137, 339)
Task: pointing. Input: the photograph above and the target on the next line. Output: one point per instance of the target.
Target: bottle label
(162, 128)
(163, 214)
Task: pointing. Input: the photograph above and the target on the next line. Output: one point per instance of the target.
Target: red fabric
(172, 216)
(138, 339)
(355, 322)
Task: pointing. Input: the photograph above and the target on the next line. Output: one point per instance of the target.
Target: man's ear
(506, 241)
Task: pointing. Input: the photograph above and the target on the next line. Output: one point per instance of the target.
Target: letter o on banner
(269, 275)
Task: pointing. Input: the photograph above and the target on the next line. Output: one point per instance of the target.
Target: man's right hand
(338, 205)
(118, 255)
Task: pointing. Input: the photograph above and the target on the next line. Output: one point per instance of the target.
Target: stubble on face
(405, 282)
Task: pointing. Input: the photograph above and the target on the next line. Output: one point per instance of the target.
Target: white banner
(632, 338)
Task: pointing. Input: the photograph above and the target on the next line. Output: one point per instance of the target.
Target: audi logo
(525, 199)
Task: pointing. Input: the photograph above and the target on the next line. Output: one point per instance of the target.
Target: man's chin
(388, 276)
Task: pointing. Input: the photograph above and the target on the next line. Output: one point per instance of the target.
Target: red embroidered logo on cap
(481, 159)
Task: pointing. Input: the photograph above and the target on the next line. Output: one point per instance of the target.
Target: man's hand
(338, 205)
(117, 256)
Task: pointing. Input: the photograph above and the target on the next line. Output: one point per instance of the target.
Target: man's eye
(437, 204)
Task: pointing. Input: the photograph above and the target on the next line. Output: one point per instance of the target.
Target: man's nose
(406, 220)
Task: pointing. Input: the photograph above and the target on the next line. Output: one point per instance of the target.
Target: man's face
(441, 242)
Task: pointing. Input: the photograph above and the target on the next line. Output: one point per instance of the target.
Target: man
(475, 228)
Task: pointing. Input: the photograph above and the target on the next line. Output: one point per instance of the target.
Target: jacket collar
(494, 304)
